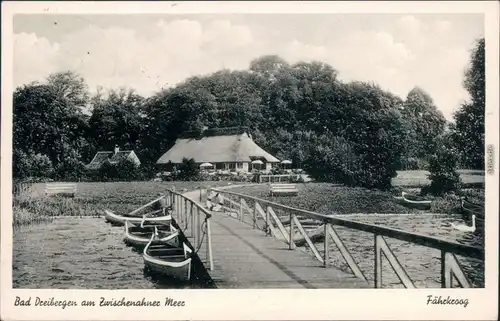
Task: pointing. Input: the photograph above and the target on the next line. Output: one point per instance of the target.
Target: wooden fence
(194, 220)
(266, 211)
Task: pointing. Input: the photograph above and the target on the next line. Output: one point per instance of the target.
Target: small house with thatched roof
(230, 149)
(113, 157)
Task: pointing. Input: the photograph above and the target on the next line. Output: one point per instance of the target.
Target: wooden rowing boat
(168, 261)
(116, 219)
(414, 201)
(469, 208)
(141, 235)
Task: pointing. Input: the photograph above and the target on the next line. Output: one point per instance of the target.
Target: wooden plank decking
(246, 258)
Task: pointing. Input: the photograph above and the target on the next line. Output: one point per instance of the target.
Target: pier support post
(291, 245)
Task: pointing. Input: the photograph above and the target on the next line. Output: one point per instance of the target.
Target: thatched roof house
(225, 148)
(114, 157)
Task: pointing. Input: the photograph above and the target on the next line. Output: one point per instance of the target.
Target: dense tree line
(353, 132)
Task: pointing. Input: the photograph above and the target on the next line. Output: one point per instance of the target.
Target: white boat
(171, 262)
(141, 235)
(414, 201)
(116, 219)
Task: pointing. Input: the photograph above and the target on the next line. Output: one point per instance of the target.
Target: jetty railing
(283, 222)
(277, 178)
(194, 220)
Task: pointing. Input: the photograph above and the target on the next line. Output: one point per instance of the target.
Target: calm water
(87, 253)
(79, 253)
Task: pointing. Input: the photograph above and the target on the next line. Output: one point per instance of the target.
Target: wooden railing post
(444, 276)
(179, 208)
(209, 245)
(186, 225)
(291, 245)
(200, 234)
(193, 228)
(267, 221)
(327, 246)
(254, 215)
(185, 212)
(241, 208)
(378, 263)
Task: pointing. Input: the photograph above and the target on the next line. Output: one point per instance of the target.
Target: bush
(41, 166)
(188, 170)
(443, 174)
(73, 170)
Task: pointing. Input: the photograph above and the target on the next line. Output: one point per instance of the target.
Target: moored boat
(469, 208)
(414, 201)
(116, 219)
(168, 261)
(141, 235)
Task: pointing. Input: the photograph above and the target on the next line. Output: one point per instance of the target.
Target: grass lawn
(418, 178)
(329, 199)
(91, 198)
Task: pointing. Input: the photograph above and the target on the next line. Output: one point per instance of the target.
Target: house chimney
(117, 149)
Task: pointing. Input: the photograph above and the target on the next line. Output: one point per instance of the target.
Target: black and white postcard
(249, 160)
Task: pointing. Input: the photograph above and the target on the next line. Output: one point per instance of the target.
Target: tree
(116, 119)
(442, 172)
(468, 130)
(425, 123)
(48, 118)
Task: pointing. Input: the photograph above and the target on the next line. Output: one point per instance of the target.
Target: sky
(151, 52)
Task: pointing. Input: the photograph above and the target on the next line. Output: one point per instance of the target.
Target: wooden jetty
(246, 245)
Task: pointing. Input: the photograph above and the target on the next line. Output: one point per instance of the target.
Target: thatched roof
(217, 146)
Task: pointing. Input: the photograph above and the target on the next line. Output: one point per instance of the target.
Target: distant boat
(414, 201)
(168, 261)
(116, 219)
(469, 208)
(141, 235)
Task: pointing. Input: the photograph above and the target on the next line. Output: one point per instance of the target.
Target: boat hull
(469, 209)
(181, 273)
(421, 205)
(170, 237)
(174, 263)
